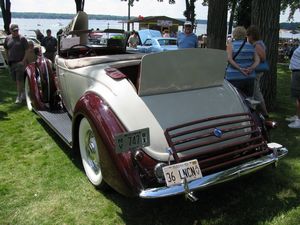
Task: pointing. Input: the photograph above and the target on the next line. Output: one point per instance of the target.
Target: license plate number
(175, 174)
(132, 140)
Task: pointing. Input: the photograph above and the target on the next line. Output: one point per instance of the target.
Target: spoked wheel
(90, 153)
(27, 94)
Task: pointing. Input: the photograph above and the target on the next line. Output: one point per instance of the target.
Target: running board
(60, 122)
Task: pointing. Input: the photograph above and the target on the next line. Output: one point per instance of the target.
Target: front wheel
(90, 153)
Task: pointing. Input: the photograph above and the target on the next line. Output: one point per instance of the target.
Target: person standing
(39, 35)
(242, 59)
(15, 46)
(260, 48)
(30, 55)
(187, 39)
(295, 87)
(50, 44)
(133, 40)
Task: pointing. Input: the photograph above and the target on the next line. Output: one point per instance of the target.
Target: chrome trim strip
(215, 178)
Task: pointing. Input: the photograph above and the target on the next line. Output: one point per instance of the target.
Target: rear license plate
(175, 174)
(132, 140)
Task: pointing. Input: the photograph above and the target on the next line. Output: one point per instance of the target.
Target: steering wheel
(88, 49)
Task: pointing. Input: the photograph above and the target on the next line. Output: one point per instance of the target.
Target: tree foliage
(293, 5)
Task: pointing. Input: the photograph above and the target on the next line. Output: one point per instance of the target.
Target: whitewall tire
(90, 153)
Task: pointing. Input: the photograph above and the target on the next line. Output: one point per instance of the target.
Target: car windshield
(167, 42)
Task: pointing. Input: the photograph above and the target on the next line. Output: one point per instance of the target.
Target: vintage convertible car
(151, 125)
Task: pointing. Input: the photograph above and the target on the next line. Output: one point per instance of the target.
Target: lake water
(28, 25)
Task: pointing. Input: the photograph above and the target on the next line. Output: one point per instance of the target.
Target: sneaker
(18, 100)
(292, 118)
(295, 124)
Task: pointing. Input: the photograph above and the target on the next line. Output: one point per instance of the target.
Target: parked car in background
(148, 125)
(152, 41)
(158, 44)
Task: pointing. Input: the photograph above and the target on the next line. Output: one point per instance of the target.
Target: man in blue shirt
(187, 39)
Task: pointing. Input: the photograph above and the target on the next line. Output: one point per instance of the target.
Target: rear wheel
(27, 94)
(90, 153)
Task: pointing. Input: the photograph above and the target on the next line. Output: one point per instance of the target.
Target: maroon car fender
(118, 170)
(35, 94)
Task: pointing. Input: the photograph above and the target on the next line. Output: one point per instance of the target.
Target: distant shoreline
(37, 15)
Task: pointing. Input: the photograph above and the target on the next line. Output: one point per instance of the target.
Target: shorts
(17, 71)
(295, 84)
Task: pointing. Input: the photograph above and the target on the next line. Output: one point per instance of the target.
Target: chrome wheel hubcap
(91, 151)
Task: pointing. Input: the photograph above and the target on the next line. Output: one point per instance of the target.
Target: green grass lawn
(42, 180)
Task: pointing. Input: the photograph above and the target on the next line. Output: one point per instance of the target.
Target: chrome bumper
(216, 178)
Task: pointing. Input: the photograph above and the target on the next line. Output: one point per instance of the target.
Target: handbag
(262, 67)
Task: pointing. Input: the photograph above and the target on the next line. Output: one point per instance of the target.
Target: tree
(293, 5)
(79, 5)
(217, 28)
(6, 14)
(266, 15)
(189, 13)
(243, 14)
(231, 19)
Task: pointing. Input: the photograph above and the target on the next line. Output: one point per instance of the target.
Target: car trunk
(202, 115)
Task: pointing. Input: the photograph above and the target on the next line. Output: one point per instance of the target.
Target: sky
(118, 8)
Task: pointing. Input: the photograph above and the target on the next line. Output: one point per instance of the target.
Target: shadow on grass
(253, 199)
(4, 115)
(73, 155)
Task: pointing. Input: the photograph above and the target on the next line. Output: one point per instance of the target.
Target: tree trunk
(79, 5)
(217, 24)
(230, 25)
(187, 10)
(6, 14)
(265, 15)
(243, 17)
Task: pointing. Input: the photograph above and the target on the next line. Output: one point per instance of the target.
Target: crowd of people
(20, 53)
